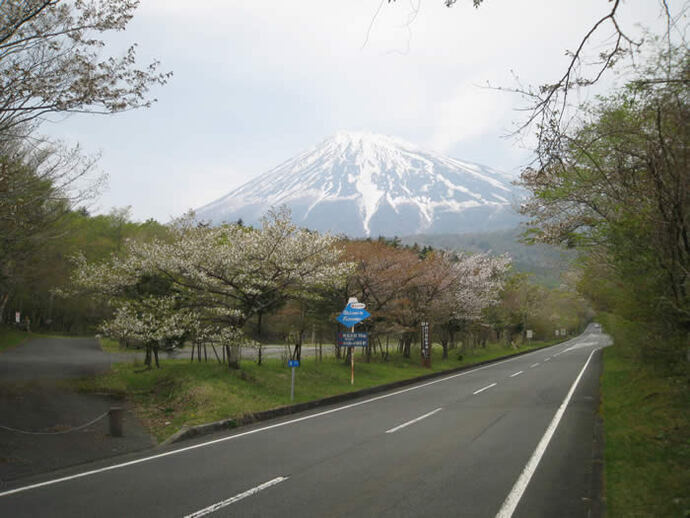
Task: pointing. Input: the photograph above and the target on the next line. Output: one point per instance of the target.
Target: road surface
(37, 410)
(513, 438)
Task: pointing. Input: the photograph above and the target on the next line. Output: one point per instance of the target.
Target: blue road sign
(350, 316)
(293, 363)
(353, 339)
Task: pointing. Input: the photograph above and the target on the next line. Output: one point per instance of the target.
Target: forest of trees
(152, 285)
(617, 186)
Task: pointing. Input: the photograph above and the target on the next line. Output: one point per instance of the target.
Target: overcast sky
(256, 82)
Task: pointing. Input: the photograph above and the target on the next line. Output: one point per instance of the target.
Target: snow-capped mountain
(362, 184)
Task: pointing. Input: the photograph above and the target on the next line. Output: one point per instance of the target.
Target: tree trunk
(234, 356)
(3, 303)
(337, 347)
(216, 353)
(444, 344)
(259, 320)
(407, 345)
(147, 358)
(155, 355)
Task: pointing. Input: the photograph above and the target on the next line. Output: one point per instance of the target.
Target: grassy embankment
(11, 337)
(646, 411)
(183, 393)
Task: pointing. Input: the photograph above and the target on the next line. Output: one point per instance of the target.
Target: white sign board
(529, 334)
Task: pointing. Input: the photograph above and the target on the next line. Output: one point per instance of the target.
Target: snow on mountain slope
(363, 184)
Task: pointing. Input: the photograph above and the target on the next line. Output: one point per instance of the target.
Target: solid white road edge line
(408, 423)
(483, 389)
(213, 508)
(513, 498)
(516, 374)
(257, 430)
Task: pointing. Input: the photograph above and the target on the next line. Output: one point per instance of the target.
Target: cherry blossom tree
(470, 285)
(52, 60)
(215, 278)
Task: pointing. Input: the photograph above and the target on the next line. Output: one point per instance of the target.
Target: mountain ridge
(364, 184)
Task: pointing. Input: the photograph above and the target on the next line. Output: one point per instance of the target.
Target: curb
(189, 432)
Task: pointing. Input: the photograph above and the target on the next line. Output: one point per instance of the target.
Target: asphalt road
(37, 412)
(54, 358)
(510, 438)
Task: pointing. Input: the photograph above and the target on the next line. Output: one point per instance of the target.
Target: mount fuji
(363, 184)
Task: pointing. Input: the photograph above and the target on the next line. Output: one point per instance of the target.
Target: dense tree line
(221, 287)
(618, 186)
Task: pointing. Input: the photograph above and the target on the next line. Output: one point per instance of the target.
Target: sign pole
(292, 385)
(352, 360)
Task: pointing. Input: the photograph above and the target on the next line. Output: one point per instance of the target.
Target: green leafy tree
(619, 183)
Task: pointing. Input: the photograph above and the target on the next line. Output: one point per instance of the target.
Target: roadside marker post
(292, 364)
(426, 346)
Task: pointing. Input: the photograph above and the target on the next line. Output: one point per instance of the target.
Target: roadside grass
(11, 337)
(109, 345)
(646, 412)
(183, 393)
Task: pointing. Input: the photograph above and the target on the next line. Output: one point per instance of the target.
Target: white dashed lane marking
(408, 423)
(483, 389)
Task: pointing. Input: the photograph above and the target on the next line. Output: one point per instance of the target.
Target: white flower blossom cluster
(478, 282)
(207, 281)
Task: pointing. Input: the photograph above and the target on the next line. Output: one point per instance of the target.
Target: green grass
(11, 337)
(646, 411)
(183, 393)
(109, 345)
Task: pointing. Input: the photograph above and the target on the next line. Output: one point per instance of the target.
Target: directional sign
(351, 316)
(353, 339)
(293, 363)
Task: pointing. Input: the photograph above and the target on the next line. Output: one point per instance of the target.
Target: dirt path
(33, 400)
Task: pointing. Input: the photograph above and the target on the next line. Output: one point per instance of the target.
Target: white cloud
(472, 111)
(257, 82)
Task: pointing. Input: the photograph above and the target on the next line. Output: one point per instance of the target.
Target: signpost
(293, 364)
(353, 314)
(426, 345)
(529, 334)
